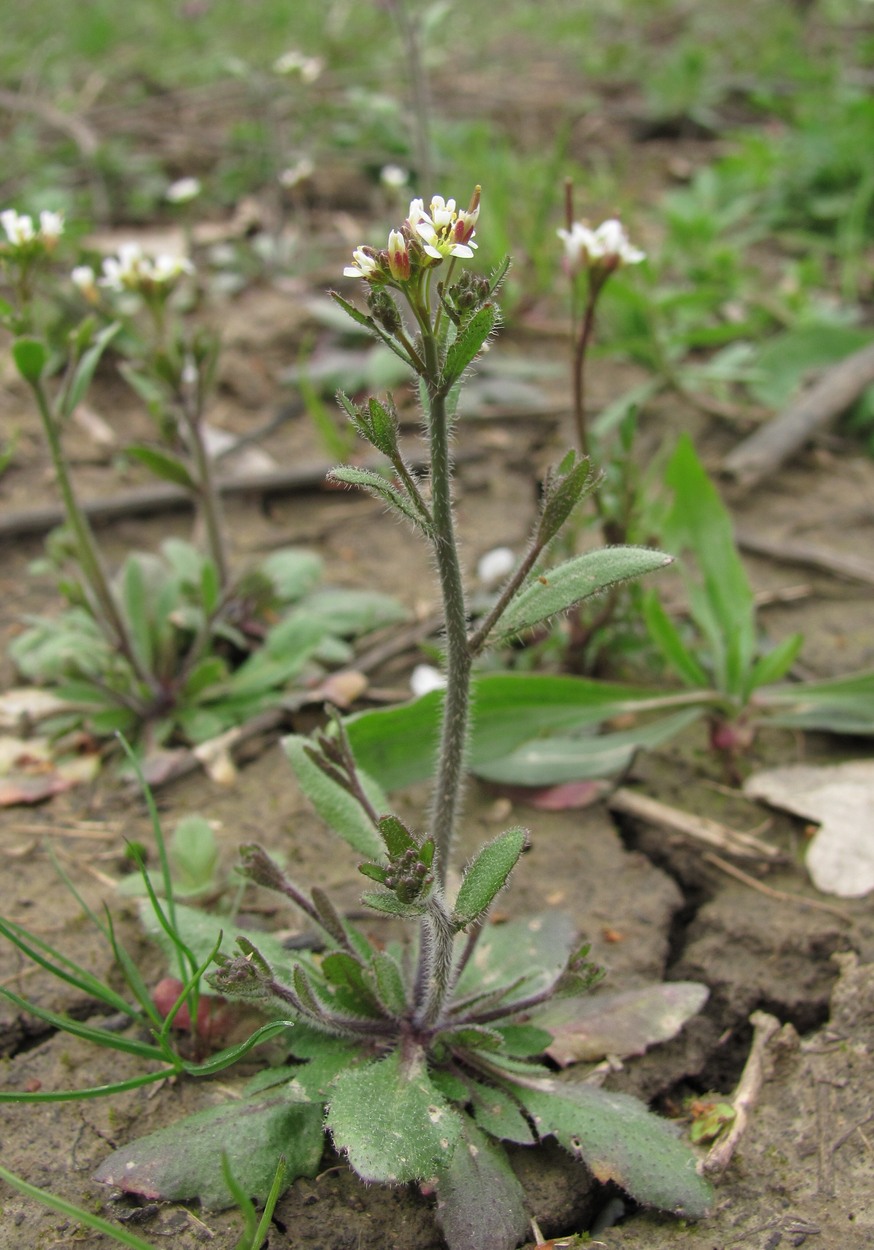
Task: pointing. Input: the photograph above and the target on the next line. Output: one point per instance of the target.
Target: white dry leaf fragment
(840, 798)
(24, 706)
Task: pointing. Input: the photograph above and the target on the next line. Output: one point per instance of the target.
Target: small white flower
(51, 227)
(298, 172)
(85, 281)
(165, 269)
(608, 246)
(183, 190)
(394, 176)
(366, 265)
(424, 678)
(134, 271)
(445, 231)
(495, 565)
(296, 62)
(18, 227)
(611, 239)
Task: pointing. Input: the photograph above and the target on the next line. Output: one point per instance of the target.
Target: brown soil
(652, 906)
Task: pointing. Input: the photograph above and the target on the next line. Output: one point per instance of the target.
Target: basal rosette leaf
(185, 1160)
(620, 1140)
(480, 1203)
(391, 1121)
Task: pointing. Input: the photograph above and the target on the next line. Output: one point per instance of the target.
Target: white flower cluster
(445, 230)
(132, 270)
(296, 62)
(21, 231)
(441, 232)
(607, 246)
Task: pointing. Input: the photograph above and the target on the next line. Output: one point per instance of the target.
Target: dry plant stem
(746, 1095)
(779, 896)
(773, 443)
(642, 807)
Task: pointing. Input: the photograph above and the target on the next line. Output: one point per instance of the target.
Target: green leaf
(194, 855)
(500, 1114)
(293, 573)
(620, 1140)
(391, 1122)
(349, 613)
(185, 1160)
(86, 369)
(480, 1202)
(549, 761)
(487, 875)
(164, 466)
(30, 356)
(390, 905)
(339, 810)
(388, 982)
(776, 663)
(666, 637)
(395, 835)
(468, 344)
(533, 948)
(398, 745)
(721, 601)
(844, 705)
(589, 574)
(381, 488)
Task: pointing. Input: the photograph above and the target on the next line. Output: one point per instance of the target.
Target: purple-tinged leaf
(623, 1024)
(185, 1160)
(479, 1200)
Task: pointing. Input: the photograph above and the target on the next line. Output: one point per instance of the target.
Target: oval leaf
(487, 875)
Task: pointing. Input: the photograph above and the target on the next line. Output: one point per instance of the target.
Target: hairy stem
(456, 708)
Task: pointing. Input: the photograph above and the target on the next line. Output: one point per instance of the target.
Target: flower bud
(398, 257)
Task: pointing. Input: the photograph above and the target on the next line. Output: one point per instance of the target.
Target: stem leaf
(487, 875)
(468, 344)
(577, 579)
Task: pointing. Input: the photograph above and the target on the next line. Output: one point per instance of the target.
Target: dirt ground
(653, 906)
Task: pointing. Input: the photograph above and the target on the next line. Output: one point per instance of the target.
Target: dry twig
(746, 1095)
(701, 828)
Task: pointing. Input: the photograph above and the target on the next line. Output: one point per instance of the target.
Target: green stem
(87, 551)
(456, 707)
(208, 495)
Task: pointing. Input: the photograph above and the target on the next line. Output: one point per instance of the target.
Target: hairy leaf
(392, 1123)
(480, 1203)
(486, 875)
(185, 1160)
(550, 761)
(468, 344)
(621, 1141)
(561, 588)
(842, 705)
(534, 948)
(339, 810)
